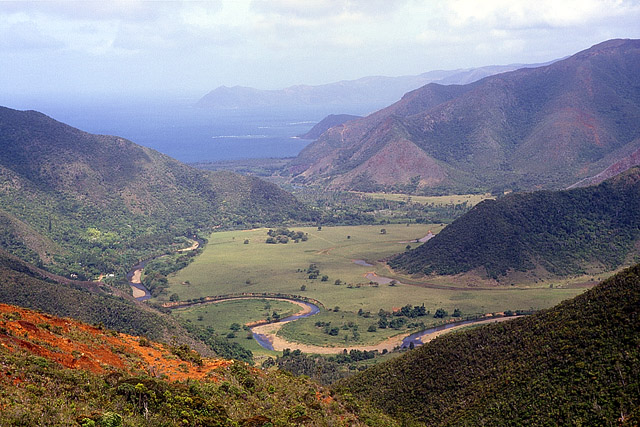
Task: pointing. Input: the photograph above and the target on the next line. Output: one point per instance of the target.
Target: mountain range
(532, 128)
(355, 96)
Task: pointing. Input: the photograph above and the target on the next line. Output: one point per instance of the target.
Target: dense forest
(562, 232)
(575, 364)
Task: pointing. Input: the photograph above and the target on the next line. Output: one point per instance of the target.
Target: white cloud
(277, 43)
(530, 14)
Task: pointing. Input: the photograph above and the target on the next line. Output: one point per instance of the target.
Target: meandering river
(140, 291)
(266, 333)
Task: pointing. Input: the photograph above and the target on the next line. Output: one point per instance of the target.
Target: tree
(440, 313)
(324, 278)
(303, 288)
(383, 231)
(246, 241)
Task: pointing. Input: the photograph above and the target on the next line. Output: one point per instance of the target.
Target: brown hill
(617, 168)
(328, 122)
(544, 127)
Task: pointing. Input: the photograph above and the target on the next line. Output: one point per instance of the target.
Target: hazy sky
(189, 47)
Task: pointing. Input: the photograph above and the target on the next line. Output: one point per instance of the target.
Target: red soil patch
(77, 345)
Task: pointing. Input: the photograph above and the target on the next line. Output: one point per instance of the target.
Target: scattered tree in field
(440, 313)
(284, 235)
(303, 288)
(246, 241)
(383, 231)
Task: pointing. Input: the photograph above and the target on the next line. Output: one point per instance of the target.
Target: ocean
(189, 133)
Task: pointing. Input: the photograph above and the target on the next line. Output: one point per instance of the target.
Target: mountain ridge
(545, 127)
(356, 96)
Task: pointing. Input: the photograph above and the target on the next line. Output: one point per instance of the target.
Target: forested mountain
(545, 127)
(562, 232)
(27, 286)
(575, 364)
(89, 204)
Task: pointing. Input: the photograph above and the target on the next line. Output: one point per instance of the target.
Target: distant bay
(185, 132)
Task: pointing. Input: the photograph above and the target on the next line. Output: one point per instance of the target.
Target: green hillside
(26, 286)
(87, 204)
(562, 232)
(575, 364)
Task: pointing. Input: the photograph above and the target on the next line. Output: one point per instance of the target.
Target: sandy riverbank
(195, 246)
(279, 343)
(137, 278)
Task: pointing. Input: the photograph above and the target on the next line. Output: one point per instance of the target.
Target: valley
(329, 267)
(468, 255)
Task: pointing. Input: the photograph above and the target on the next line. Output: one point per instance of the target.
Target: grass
(352, 329)
(223, 314)
(456, 199)
(229, 265)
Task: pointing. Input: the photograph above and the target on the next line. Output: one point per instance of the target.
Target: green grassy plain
(455, 199)
(223, 314)
(228, 265)
(352, 329)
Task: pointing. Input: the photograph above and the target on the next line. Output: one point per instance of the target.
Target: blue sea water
(186, 132)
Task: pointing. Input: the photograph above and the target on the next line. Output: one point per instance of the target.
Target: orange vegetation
(79, 346)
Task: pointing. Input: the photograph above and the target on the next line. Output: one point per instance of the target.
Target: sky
(187, 48)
